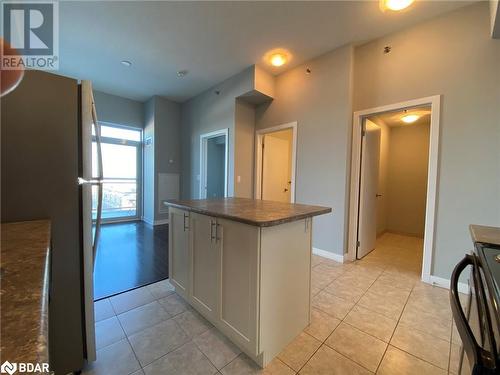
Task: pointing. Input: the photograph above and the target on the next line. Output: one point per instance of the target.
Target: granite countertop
(484, 234)
(250, 211)
(24, 291)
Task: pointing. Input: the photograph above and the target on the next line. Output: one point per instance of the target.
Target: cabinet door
(239, 282)
(178, 238)
(205, 255)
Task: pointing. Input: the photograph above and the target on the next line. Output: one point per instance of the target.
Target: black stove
(479, 323)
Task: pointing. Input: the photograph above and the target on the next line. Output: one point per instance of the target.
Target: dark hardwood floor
(130, 255)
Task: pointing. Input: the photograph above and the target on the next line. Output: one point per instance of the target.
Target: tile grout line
(394, 331)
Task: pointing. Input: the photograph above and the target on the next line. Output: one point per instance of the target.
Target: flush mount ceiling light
(182, 73)
(395, 5)
(126, 63)
(278, 59)
(410, 118)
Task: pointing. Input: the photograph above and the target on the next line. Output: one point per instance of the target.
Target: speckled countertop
(250, 211)
(484, 234)
(24, 291)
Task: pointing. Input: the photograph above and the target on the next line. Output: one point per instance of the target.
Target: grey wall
(148, 171)
(458, 59)
(167, 147)
(206, 113)
(320, 103)
(118, 110)
(244, 146)
(406, 193)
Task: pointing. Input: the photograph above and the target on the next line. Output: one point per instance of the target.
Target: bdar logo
(8, 368)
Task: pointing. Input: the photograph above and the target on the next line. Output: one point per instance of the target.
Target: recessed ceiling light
(182, 73)
(126, 63)
(395, 5)
(410, 118)
(278, 59)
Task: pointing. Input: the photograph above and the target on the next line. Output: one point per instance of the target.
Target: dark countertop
(484, 234)
(250, 211)
(24, 292)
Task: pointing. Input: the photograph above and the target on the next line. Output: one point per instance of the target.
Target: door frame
(432, 175)
(259, 137)
(203, 159)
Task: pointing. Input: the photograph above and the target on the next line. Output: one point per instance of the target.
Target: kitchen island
(245, 265)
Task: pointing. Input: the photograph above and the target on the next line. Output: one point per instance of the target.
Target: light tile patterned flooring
(371, 316)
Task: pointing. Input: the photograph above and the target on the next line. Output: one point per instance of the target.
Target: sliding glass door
(121, 158)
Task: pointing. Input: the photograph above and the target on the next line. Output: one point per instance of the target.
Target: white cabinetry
(204, 264)
(251, 282)
(178, 244)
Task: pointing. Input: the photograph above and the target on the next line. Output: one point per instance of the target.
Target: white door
(370, 154)
(276, 164)
(88, 182)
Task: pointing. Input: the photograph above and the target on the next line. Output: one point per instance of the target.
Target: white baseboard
(445, 283)
(161, 222)
(328, 254)
(156, 222)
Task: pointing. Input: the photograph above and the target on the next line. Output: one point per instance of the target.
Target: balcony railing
(119, 199)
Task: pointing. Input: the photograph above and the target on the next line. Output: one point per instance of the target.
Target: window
(121, 159)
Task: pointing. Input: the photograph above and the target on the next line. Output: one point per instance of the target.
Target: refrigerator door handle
(94, 181)
(99, 180)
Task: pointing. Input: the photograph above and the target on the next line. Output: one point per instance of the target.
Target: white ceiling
(393, 119)
(212, 40)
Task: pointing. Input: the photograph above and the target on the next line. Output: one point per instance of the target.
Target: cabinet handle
(185, 226)
(212, 237)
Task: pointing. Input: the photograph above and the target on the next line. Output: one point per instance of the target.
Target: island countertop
(250, 211)
(24, 297)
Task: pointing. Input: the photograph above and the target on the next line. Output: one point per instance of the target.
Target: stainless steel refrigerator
(46, 172)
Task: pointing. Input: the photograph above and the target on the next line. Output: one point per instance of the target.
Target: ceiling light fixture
(182, 73)
(278, 59)
(126, 63)
(395, 5)
(410, 118)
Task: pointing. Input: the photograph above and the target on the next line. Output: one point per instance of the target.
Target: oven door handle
(470, 345)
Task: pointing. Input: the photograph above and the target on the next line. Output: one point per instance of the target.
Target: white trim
(161, 222)
(328, 254)
(444, 283)
(259, 136)
(155, 222)
(430, 210)
(203, 160)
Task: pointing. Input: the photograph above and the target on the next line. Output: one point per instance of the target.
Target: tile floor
(371, 316)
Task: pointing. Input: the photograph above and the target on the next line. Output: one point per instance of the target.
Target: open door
(368, 189)
(276, 169)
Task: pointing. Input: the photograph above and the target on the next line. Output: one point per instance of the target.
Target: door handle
(378, 195)
(212, 237)
(285, 190)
